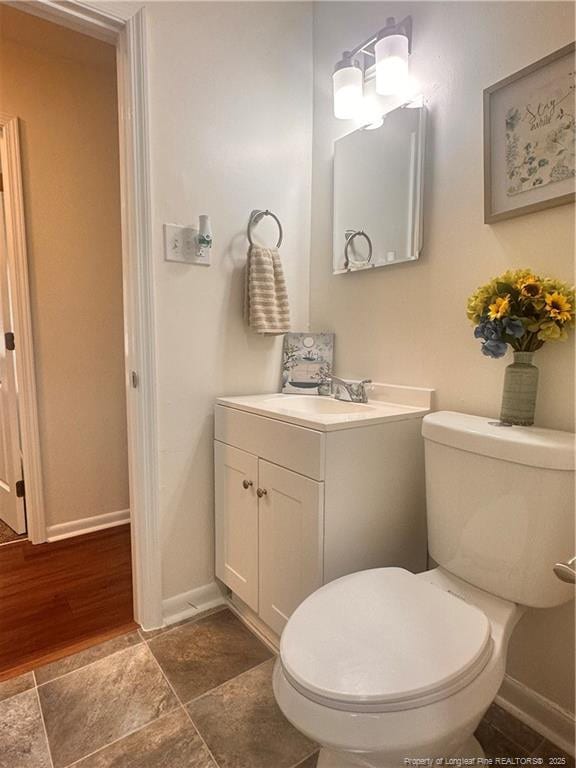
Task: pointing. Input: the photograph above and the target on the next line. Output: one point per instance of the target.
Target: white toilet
(384, 665)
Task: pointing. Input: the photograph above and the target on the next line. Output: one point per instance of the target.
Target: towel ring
(350, 237)
(256, 217)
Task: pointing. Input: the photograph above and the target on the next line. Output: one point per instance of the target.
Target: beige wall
(62, 86)
(406, 324)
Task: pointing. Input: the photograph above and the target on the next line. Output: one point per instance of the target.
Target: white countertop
(326, 414)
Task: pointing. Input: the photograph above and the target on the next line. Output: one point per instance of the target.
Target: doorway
(61, 86)
(127, 36)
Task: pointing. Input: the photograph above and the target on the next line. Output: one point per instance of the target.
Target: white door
(291, 536)
(237, 521)
(11, 506)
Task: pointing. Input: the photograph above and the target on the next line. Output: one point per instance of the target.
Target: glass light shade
(347, 81)
(391, 64)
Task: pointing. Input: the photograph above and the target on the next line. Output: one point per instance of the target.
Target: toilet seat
(410, 643)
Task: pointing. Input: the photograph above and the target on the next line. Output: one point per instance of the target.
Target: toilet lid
(383, 640)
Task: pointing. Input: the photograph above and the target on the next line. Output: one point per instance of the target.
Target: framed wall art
(307, 360)
(529, 133)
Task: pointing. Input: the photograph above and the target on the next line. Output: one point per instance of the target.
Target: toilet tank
(500, 505)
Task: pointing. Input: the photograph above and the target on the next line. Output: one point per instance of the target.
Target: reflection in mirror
(378, 180)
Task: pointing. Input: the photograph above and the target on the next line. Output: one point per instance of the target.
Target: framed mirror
(378, 185)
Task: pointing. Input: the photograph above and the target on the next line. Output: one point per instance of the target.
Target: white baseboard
(542, 715)
(87, 525)
(188, 604)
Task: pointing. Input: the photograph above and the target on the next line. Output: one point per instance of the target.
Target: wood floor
(59, 597)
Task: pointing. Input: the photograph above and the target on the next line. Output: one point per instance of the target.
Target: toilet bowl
(384, 666)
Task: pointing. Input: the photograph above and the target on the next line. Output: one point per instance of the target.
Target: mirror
(378, 180)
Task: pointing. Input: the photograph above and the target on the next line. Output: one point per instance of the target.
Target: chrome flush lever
(566, 571)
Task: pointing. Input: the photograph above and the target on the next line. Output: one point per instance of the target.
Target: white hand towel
(266, 305)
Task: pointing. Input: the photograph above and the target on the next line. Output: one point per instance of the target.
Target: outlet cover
(181, 245)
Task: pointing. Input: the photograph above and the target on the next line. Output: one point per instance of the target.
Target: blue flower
(489, 330)
(513, 327)
(494, 348)
(492, 334)
(479, 331)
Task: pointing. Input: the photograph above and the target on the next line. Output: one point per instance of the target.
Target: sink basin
(315, 405)
(327, 414)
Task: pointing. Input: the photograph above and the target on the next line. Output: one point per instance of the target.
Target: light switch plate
(181, 245)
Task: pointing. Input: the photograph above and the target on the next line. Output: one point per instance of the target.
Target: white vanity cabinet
(297, 506)
(236, 478)
(290, 542)
(269, 525)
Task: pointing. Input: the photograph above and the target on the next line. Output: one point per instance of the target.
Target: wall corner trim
(542, 715)
(188, 604)
(60, 531)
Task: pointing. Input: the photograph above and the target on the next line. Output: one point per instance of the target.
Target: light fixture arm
(403, 27)
(366, 47)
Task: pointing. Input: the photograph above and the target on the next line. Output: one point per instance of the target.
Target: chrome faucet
(355, 390)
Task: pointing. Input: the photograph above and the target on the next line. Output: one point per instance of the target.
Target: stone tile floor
(196, 695)
(7, 535)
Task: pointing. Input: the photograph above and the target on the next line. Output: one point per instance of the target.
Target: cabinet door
(291, 541)
(236, 475)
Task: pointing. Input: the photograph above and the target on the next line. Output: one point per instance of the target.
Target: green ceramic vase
(520, 390)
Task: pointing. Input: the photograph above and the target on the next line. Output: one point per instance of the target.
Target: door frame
(128, 34)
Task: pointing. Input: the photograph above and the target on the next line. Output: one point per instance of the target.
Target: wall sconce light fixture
(392, 49)
(348, 82)
(384, 56)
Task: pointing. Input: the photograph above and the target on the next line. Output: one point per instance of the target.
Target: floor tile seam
(302, 759)
(200, 736)
(542, 740)
(120, 738)
(44, 729)
(199, 731)
(513, 740)
(541, 743)
(165, 677)
(183, 707)
(179, 625)
(221, 685)
(20, 693)
(85, 666)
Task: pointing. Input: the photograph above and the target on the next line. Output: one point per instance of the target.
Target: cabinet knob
(247, 484)
(261, 492)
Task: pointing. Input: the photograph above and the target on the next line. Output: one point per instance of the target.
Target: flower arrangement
(522, 310)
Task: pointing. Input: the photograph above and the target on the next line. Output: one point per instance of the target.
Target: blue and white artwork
(307, 363)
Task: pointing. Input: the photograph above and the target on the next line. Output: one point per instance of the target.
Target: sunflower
(558, 307)
(530, 287)
(499, 308)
